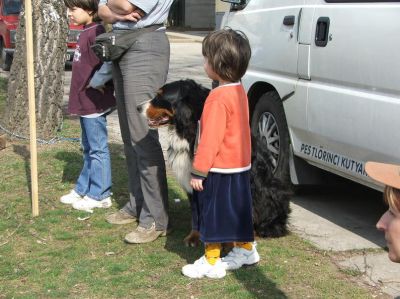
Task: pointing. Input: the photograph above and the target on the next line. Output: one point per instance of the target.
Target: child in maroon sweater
(92, 98)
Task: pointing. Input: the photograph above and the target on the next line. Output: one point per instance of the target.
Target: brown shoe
(120, 217)
(144, 235)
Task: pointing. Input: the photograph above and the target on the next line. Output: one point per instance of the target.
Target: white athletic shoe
(70, 198)
(88, 204)
(239, 257)
(202, 268)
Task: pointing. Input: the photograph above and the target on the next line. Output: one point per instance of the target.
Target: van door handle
(322, 32)
(289, 20)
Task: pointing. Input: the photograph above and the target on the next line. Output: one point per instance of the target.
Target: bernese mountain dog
(179, 105)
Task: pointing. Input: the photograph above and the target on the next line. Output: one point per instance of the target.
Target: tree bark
(50, 30)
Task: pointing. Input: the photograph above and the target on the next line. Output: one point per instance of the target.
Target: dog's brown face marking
(159, 112)
(158, 116)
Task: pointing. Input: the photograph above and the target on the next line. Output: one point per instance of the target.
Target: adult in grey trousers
(140, 72)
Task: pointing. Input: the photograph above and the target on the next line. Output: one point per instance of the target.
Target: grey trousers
(137, 77)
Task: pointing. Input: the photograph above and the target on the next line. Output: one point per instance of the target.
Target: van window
(12, 7)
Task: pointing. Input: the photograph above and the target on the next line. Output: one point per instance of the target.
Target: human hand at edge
(134, 16)
(197, 184)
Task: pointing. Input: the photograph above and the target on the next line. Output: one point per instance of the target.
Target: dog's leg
(193, 239)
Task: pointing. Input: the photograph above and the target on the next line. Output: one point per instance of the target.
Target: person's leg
(243, 253)
(245, 245)
(240, 213)
(144, 70)
(99, 169)
(99, 155)
(209, 265)
(82, 183)
(213, 252)
(134, 205)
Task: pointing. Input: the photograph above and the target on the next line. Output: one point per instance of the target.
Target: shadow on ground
(349, 205)
(24, 152)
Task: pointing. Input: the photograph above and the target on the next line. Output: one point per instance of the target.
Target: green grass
(56, 255)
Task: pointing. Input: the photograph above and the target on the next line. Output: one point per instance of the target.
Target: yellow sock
(245, 245)
(213, 252)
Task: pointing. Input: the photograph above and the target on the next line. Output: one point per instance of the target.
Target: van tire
(269, 109)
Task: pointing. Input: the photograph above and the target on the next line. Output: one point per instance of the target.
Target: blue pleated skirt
(222, 212)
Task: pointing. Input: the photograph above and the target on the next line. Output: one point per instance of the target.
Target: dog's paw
(193, 239)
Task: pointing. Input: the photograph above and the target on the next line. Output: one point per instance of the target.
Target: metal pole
(32, 108)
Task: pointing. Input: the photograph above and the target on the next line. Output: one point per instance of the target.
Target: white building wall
(221, 6)
(220, 9)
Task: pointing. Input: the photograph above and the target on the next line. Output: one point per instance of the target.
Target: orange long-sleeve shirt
(224, 145)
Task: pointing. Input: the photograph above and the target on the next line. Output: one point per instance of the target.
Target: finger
(136, 15)
(130, 18)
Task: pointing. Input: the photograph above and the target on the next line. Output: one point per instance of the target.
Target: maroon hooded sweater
(82, 100)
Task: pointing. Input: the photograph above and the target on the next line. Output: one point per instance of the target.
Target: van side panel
(341, 87)
(274, 44)
(353, 104)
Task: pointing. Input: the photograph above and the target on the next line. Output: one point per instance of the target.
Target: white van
(323, 83)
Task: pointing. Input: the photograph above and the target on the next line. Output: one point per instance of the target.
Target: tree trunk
(50, 29)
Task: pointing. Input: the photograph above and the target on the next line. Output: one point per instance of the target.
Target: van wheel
(269, 123)
(6, 59)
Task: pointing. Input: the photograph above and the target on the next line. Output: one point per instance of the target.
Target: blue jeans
(95, 178)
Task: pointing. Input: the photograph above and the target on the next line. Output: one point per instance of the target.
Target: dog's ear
(185, 123)
(183, 113)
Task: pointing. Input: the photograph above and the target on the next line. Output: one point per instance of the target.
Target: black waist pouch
(110, 46)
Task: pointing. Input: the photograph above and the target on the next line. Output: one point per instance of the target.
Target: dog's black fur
(179, 104)
(270, 196)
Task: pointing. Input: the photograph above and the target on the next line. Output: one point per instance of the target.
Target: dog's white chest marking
(178, 155)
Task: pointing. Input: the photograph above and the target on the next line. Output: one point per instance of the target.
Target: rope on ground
(41, 141)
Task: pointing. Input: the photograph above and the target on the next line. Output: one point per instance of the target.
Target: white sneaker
(88, 204)
(70, 198)
(202, 268)
(239, 257)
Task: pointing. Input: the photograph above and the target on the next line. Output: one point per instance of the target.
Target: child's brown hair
(228, 53)
(87, 5)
